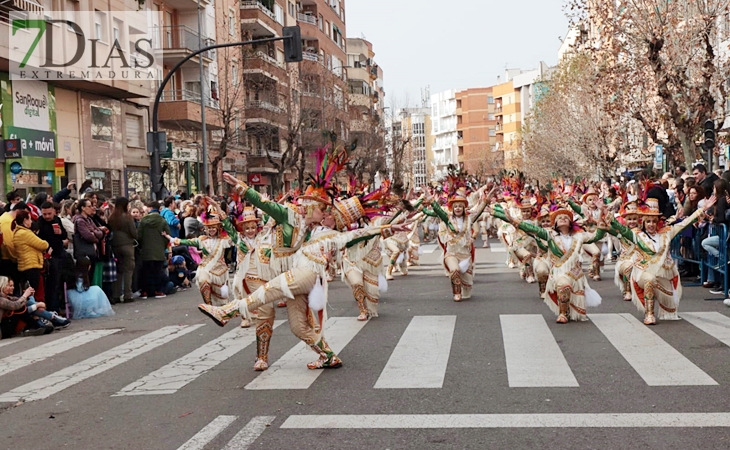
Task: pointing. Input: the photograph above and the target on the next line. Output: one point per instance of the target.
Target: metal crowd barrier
(718, 263)
(694, 258)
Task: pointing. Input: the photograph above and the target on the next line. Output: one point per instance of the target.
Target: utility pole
(204, 130)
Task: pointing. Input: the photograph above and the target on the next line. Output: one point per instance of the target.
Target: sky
(456, 44)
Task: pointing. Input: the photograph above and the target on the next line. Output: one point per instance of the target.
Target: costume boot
(359, 292)
(542, 284)
(205, 291)
(596, 268)
(327, 358)
(456, 285)
(649, 318)
(530, 275)
(264, 331)
(389, 273)
(222, 314)
(627, 288)
(564, 304)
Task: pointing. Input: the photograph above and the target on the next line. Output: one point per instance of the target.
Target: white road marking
(713, 323)
(428, 248)
(557, 421)
(207, 434)
(657, 362)
(421, 356)
(5, 342)
(497, 247)
(290, 371)
(65, 378)
(534, 358)
(249, 433)
(174, 376)
(50, 349)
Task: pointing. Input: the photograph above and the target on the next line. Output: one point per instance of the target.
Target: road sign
(658, 157)
(60, 165)
(16, 168)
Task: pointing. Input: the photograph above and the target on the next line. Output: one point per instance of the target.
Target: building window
(134, 130)
(117, 31)
(234, 73)
(231, 23)
(490, 100)
(102, 121)
(292, 10)
(99, 25)
(492, 132)
(321, 22)
(490, 116)
(279, 14)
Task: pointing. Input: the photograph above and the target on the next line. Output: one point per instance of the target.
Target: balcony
(178, 41)
(311, 56)
(259, 20)
(261, 63)
(186, 5)
(361, 100)
(180, 109)
(309, 24)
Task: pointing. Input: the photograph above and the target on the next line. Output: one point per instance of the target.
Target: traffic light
(292, 44)
(709, 135)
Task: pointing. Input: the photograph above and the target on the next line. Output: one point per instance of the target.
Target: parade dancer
(567, 292)
(655, 276)
(455, 237)
(591, 213)
(625, 262)
(211, 276)
(542, 262)
(305, 280)
(523, 245)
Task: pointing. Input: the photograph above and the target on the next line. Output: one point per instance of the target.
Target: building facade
(476, 127)
(443, 133)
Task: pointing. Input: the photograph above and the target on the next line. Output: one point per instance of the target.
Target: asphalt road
(495, 371)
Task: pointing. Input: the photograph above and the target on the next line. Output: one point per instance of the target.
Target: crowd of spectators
(75, 254)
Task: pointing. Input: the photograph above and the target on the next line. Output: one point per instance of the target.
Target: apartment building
(82, 128)
(416, 125)
(476, 132)
(443, 133)
(513, 101)
(366, 101)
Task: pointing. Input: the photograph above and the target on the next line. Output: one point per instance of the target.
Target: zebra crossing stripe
(290, 371)
(50, 349)
(72, 375)
(5, 342)
(207, 434)
(428, 248)
(657, 362)
(421, 356)
(556, 421)
(713, 323)
(534, 358)
(174, 376)
(497, 247)
(248, 434)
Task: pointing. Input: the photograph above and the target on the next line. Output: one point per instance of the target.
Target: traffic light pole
(157, 140)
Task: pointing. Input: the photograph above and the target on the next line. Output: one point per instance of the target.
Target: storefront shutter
(134, 130)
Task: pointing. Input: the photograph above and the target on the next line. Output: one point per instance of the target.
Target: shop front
(28, 116)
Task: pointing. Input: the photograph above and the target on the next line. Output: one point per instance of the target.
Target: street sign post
(658, 157)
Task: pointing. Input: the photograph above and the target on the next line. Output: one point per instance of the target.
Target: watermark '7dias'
(88, 45)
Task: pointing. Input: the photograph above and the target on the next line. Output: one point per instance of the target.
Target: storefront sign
(34, 142)
(30, 105)
(60, 165)
(184, 154)
(12, 149)
(16, 168)
(256, 179)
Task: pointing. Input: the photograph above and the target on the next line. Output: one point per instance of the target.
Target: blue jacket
(172, 220)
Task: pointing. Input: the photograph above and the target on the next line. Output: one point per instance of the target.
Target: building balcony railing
(309, 56)
(306, 18)
(181, 37)
(186, 95)
(261, 104)
(262, 152)
(253, 4)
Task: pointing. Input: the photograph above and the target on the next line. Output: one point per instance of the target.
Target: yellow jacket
(29, 249)
(6, 220)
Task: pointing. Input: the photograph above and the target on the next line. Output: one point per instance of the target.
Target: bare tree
(665, 64)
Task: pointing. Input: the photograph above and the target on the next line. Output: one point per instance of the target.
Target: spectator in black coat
(711, 244)
(707, 181)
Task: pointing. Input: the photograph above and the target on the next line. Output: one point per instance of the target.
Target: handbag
(83, 248)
